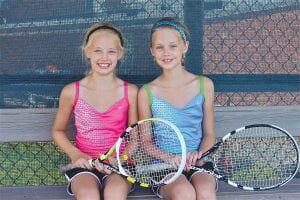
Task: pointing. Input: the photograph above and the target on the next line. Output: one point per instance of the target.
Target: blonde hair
(97, 27)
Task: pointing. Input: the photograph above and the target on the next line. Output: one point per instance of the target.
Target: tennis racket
(149, 152)
(254, 157)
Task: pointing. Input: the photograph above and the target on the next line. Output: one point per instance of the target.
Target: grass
(258, 172)
(31, 163)
(38, 163)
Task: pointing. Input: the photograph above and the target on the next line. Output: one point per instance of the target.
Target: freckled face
(168, 47)
(104, 51)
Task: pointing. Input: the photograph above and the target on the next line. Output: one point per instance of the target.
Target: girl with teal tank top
(185, 99)
(187, 118)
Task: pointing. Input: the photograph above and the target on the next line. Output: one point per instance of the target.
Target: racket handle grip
(111, 168)
(91, 162)
(67, 167)
(212, 149)
(107, 166)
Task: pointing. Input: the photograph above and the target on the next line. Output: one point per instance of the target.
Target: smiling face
(168, 47)
(104, 51)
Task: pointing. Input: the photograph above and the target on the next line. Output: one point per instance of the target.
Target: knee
(206, 194)
(87, 193)
(116, 189)
(187, 195)
(115, 193)
(183, 193)
(205, 186)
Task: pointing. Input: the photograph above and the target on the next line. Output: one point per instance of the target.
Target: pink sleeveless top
(97, 131)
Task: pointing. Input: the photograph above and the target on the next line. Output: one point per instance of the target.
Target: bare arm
(60, 128)
(208, 116)
(132, 111)
(208, 133)
(144, 110)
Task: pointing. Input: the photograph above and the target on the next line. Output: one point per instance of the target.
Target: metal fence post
(193, 19)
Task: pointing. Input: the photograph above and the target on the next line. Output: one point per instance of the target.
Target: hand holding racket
(254, 157)
(144, 157)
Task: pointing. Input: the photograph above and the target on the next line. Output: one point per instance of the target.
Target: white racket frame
(182, 144)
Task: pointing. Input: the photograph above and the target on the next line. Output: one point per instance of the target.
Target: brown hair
(175, 24)
(171, 23)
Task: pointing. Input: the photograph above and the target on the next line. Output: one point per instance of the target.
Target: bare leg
(181, 189)
(116, 187)
(205, 186)
(85, 186)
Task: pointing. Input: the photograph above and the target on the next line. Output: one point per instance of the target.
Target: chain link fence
(260, 42)
(40, 44)
(250, 48)
(31, 163)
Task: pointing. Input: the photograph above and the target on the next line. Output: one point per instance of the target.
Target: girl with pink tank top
(93, 126)
(103, 106)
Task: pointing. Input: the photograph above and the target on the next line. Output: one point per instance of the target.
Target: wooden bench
(35, 124)
(25, 125)
(290, 191)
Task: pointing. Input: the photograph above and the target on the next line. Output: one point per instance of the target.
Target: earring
(154, 60)
(182, 59)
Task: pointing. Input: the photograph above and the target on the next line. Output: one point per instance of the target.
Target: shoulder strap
(201, 82)
(76, 93)
(149, 92)
(126, 89)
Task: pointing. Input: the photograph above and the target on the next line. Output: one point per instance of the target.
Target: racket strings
(258, 156)
(152, 152)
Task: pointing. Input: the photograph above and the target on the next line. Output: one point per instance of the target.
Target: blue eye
(112, 52)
